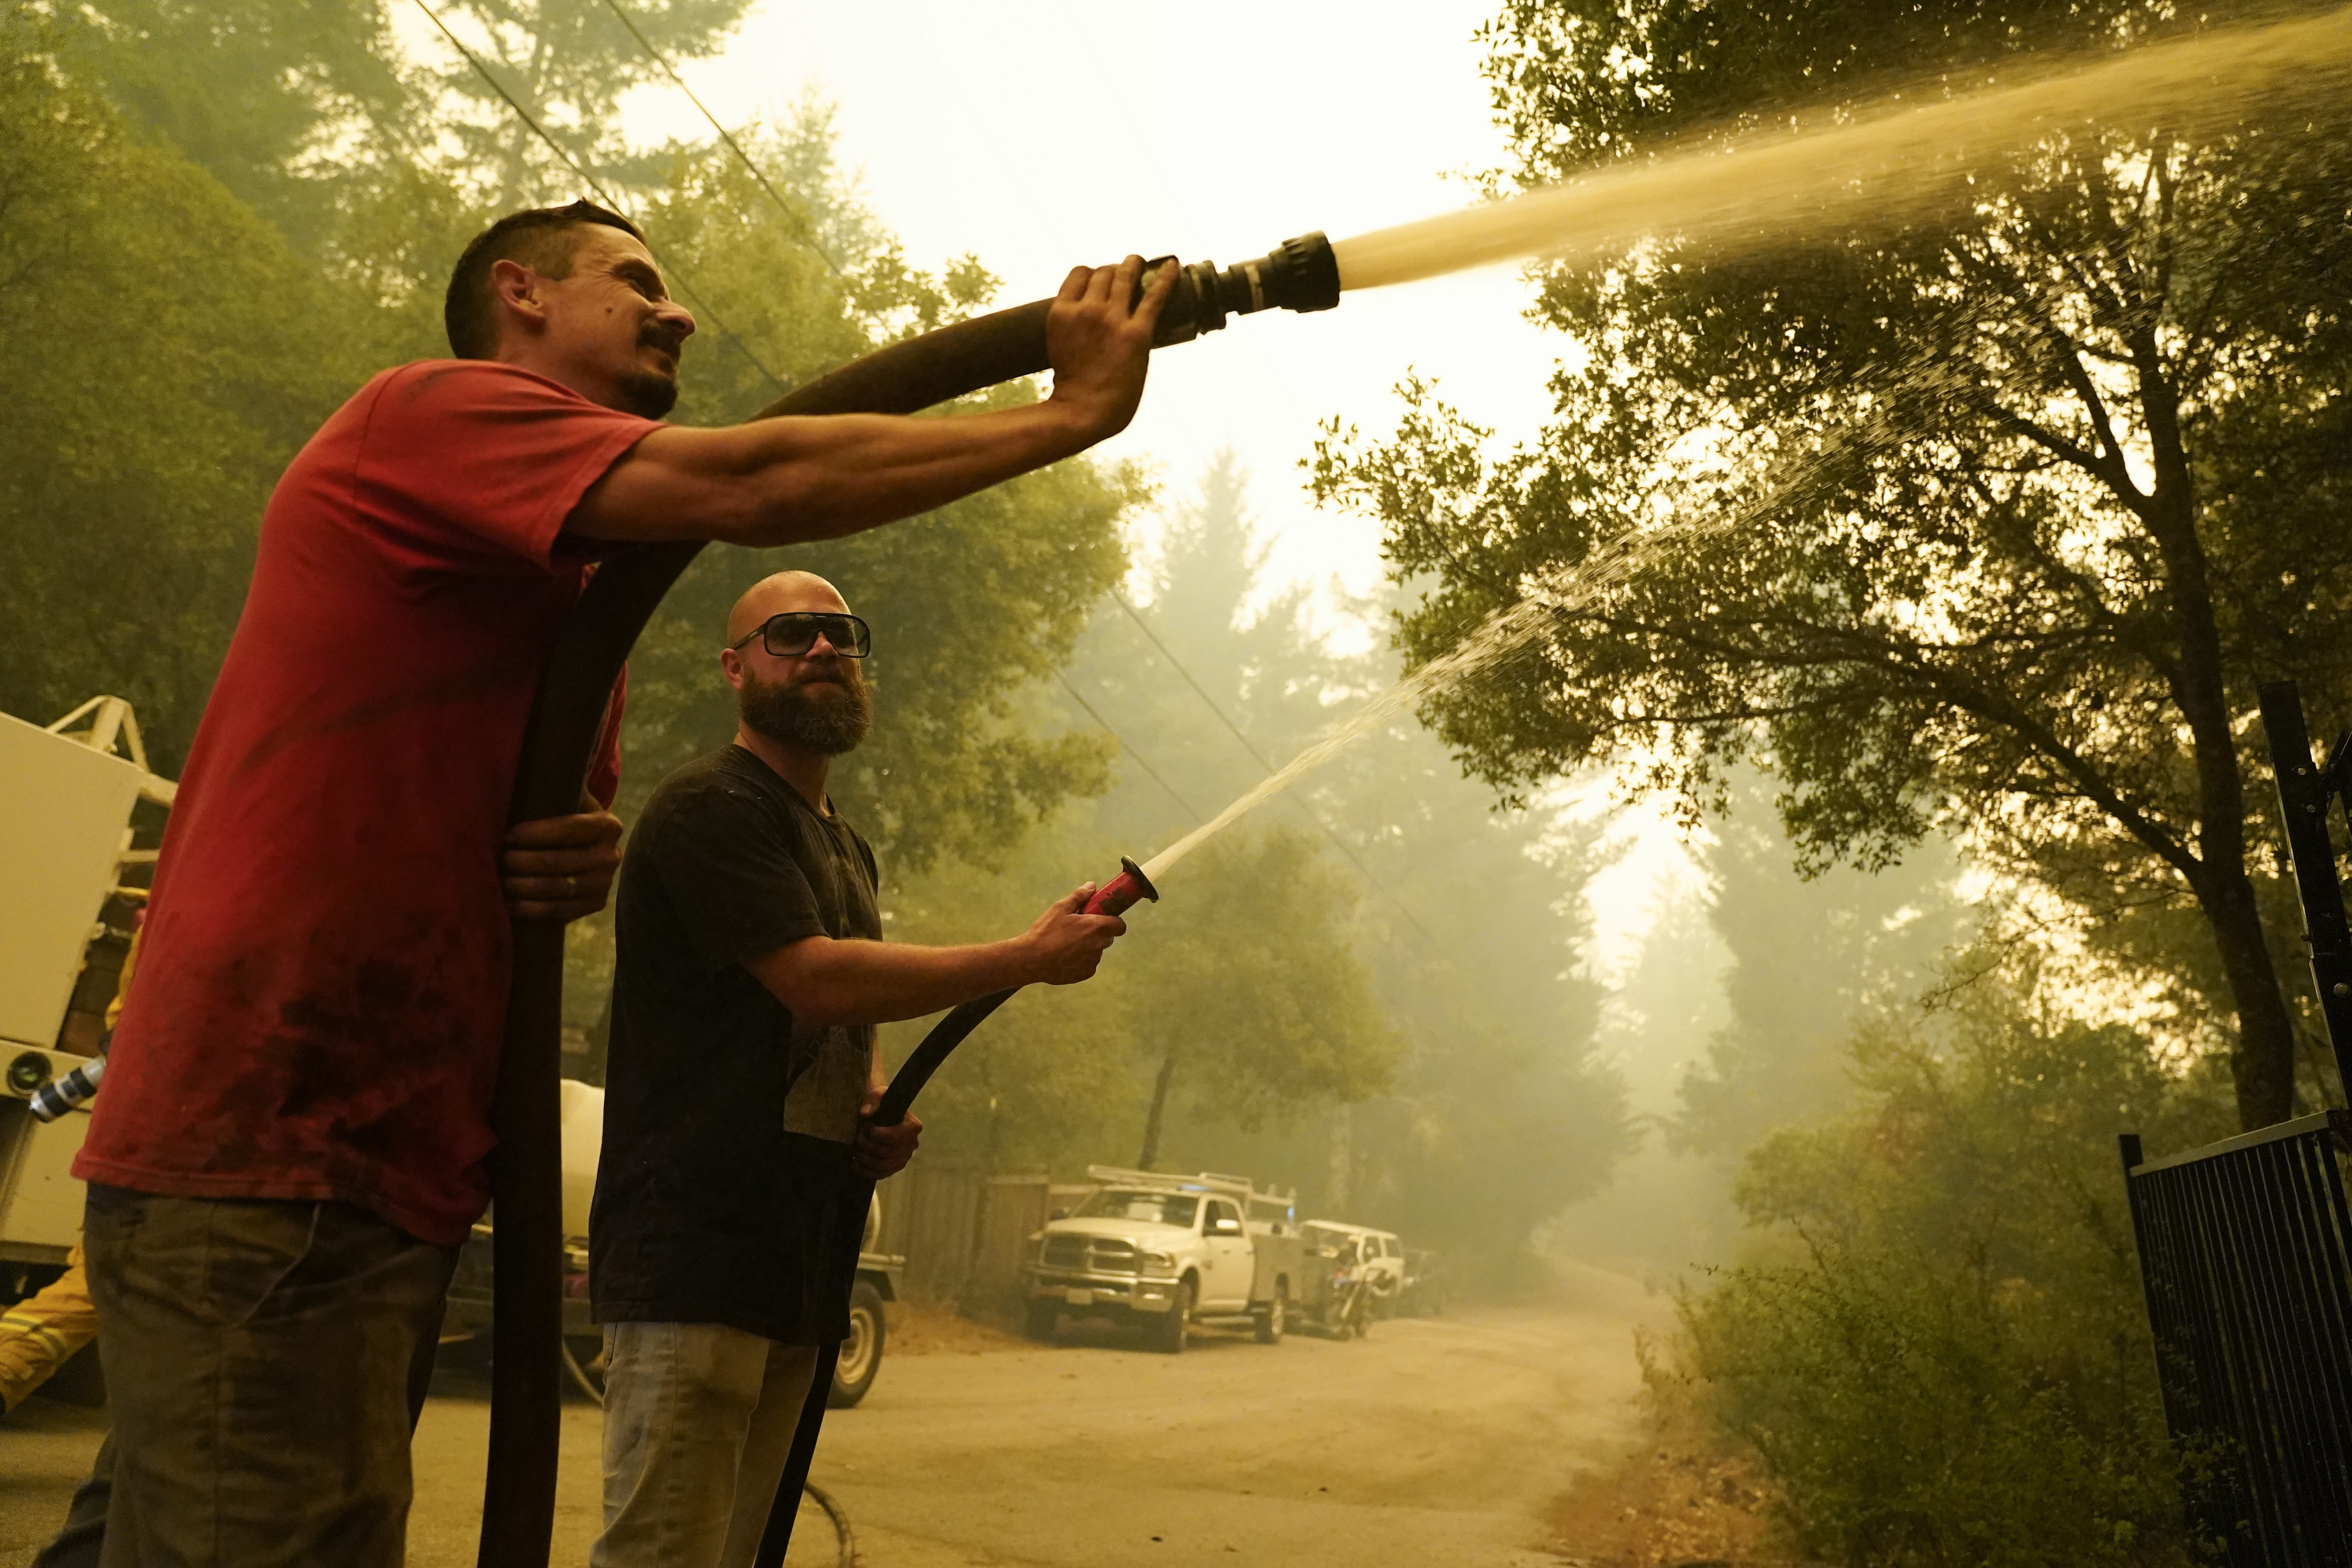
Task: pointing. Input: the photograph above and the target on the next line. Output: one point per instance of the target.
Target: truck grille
(1088, 1255)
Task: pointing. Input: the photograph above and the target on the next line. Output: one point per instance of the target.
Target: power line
(610, 199)
(1128, 747)
(799, 220)
(1263, 761)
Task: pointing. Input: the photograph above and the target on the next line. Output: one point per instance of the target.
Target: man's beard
(647, 394)
(809, 715)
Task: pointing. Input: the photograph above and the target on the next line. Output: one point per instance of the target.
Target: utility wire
(799, 220)
(1128, 747)
(482, 70)
(1263, 761)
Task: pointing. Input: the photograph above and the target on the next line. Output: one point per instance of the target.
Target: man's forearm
(826, 982)
(831, 477)
(786, 480)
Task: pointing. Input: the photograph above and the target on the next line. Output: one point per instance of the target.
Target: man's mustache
(831, 670)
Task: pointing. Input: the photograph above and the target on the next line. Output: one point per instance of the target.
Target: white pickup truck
(1167, 1252)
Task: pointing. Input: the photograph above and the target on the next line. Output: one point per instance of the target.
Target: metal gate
(2245, 1248)
(2245, 1253)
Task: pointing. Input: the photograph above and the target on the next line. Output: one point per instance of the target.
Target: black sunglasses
(796, 632)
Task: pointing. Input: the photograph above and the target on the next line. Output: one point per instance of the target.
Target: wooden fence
(963, 1231)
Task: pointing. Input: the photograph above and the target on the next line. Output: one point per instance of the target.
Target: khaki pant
(697, 1421)
(264, 1362)
(40, 1333)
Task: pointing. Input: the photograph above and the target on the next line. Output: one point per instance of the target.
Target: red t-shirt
(323, 981)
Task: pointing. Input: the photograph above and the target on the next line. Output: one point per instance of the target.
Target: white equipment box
(65, 814)
(65, 835)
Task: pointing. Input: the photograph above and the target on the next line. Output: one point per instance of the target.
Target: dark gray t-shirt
(726, 1127)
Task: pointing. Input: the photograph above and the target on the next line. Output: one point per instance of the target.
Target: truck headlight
(1160, 1265)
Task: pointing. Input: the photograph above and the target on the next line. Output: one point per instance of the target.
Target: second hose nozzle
(1300, 274)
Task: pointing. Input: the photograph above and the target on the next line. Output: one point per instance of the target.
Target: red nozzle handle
(1124, 891)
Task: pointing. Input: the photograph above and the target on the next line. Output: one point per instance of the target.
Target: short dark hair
(542, 239)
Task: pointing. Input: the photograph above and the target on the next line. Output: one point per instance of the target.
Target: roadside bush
(1937, 1346)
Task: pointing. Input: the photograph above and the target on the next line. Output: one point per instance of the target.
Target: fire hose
(575, 683)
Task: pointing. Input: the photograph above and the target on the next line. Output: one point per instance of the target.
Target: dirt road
(1434, 1441)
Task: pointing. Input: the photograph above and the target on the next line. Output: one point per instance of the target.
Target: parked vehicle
(1378, 1252)
(470, 1291)
(1340, 1282)
(1166, 1252)
(1423, 1295)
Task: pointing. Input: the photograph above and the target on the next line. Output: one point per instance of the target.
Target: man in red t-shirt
(292, 1139)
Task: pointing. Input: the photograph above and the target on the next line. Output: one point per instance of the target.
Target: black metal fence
(2246, 1255)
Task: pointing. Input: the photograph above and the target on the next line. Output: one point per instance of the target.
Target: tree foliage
(1240, 1001)
(1465, 920)
(182, 235)
(2029, 496)
(174, 350)
(282, 101)
(567, 63)
(1938, 1347)
(1809, 957)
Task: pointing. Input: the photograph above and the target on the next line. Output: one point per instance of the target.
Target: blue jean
(697, 1420)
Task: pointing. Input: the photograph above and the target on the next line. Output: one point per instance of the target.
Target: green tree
(1239, 1000)
(175, 353)
(280, 100)
(567, 63)
(1809, 958)
(1258, 1014)
(2024, 592)
(1467, 920)
(1937, 1346)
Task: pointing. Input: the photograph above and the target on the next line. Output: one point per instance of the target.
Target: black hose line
(849, 1226)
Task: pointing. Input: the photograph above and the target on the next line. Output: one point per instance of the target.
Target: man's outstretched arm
(786, 480)
(826, 981)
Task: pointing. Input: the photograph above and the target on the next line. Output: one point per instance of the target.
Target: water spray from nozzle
(1300, 274)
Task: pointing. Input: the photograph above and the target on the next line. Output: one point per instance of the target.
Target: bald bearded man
(750, 973)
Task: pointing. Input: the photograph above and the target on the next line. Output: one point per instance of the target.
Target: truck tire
(861, 1352)
(1270, 1319)
(1043, 1318)
(1175, 1325)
